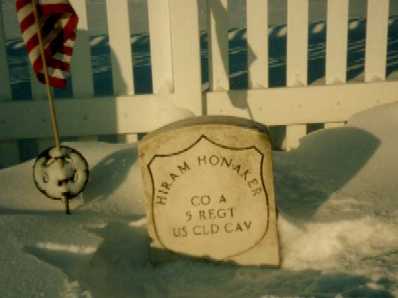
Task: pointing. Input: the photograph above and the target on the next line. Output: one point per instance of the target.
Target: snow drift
(337, 199)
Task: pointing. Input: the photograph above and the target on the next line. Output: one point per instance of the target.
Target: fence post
(185, 48)
(218, 44)
(257, 43)
(297, 53)
(5, 90)
(160, 40)
(336, 46)
(121, 52)
(336, 41)
(376, 40)
(82, 75)
(9, 151)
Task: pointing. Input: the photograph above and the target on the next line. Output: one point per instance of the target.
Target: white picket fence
(176, 74)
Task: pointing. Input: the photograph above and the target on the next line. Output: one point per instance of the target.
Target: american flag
(57, 22)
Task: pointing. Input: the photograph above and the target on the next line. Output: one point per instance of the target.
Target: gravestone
(209, 190)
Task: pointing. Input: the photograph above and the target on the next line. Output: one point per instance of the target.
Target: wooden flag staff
(51, 106)
(60, 173)
(53, 115)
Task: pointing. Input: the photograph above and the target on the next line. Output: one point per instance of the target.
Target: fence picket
(119, 43)
(376, 40)
(336, 41)
(297, 42)
(336, 45)
(184, 23)
(121, 52)
(257, 43)
(218, 45)
(82, 76)
(294, 133)
(159, 34)
(297, 52)
(9, 151)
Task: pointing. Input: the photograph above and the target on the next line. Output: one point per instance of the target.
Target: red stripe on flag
(48, 9)
(55, 63)
(66, 50)
(22, 3)
(70, 28)
(38, 65)
(58, 83)
(27, 22)
(32, 43)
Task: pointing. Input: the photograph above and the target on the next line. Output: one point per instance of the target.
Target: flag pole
(50, 96)
(53, 115)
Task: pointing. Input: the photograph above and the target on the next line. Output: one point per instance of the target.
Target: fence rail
(176, 68)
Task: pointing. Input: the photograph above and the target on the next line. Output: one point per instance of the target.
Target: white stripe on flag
(69, 43)
(56, 73)
(29, 33)
(34, 54)
(24, 12)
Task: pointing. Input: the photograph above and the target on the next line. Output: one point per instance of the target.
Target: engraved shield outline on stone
(201, 138)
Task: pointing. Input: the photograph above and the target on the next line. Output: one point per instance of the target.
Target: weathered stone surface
(209, 189)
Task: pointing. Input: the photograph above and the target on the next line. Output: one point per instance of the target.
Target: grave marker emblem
(209, 190)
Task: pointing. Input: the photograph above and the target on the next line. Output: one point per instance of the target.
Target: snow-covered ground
(337, 197)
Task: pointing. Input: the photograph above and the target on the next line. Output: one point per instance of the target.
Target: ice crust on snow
(337, 197)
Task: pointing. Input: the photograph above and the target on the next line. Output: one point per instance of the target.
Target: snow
(338, 222)
(337, 200)
(354, 24)
(282, 32)
(97, 40)
(318, 28)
